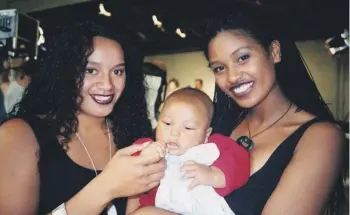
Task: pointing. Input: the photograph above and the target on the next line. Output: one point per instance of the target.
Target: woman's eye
(91, 71)
(119, 71)
(189, 128)
(218, 69)
(243, 58)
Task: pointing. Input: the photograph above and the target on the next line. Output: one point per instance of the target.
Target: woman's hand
(127, 175)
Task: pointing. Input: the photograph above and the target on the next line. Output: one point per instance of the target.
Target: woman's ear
(275, 51)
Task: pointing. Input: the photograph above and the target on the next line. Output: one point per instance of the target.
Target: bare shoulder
(323, 138)
(15, 134)
(323, 134)
(14, 123)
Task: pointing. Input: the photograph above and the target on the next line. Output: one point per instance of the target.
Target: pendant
(246, 142)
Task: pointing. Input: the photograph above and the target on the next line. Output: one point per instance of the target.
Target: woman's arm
(19, 178)
(132, 205)
(308, 180)
(152, 211)
(20, 181)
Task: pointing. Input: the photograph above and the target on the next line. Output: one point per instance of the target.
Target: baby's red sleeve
(233, 161)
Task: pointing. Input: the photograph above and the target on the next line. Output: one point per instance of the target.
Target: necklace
(111, 209)
(247, 142)
(87, 151)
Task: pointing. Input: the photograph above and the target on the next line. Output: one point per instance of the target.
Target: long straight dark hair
(292, 75)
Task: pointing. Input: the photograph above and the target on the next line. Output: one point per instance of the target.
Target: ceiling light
(181, 34)
(41, 39)
(103, 11)
(156, 22)
(338, 43)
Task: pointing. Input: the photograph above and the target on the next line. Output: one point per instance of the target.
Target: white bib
(173, 194)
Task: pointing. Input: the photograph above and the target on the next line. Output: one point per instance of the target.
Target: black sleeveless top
(60, 177)
(251, 198)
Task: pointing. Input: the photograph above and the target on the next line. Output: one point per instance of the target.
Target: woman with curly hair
(65, 148)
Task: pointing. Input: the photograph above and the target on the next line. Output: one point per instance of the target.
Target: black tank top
(60, 177)
(251, 198)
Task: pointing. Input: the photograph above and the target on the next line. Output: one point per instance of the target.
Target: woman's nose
(105, 83)
(234, 75)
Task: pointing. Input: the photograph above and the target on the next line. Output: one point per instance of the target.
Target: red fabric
(233, 162)
(148, 199)
(140, 141)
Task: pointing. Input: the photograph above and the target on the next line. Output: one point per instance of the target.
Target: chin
(99, 112)
(247, 103)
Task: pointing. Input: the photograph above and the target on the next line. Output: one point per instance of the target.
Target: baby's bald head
(200, 100)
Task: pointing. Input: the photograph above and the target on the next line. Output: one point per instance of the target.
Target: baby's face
(182, 125)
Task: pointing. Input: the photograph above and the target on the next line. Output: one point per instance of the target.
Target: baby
(201, 168)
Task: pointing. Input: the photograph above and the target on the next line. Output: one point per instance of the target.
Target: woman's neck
(88, 124)
(270, 109)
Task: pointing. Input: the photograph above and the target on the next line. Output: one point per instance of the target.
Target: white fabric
(13, 95)
(173, 194)
(152, 86)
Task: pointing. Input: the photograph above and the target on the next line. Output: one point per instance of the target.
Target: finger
(131, 149)
(188, 167)
(147, 159)
(189, 163)
(153, 151)
(193, 184)
(161, 149)
(164, 145)
(189, 175)
(152, 185)
(160, 152)
(154, 168)
(144, 187)
(155, 177)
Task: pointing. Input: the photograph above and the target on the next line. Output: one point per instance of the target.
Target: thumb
(132, 149)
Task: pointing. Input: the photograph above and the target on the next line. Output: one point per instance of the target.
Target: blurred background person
(198, 84)
(14, 89)
(173, 85)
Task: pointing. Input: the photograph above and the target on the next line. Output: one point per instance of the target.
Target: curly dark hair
(292, 69)
(55, 88)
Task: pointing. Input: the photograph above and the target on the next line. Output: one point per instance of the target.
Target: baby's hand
(155, 148)
(203, 175)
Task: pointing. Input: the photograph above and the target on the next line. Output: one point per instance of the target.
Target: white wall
(186, 67)
(322, 68)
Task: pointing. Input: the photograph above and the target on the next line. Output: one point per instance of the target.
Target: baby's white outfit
(173, 194)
